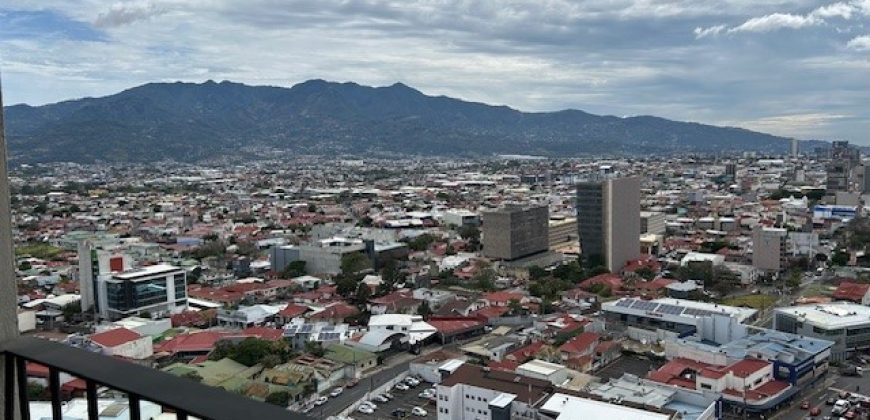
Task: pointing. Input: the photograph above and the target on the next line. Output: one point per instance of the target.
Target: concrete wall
(515, 232)
(622, 222)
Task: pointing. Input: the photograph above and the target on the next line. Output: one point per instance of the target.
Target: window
(180, 287)
(706, 386)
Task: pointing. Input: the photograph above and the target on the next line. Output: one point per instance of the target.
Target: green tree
(35, 391)
(484, 279)
(515, 307)
(424, 310)
(279, 398)
(354, 262)
(598, 270)
(315, 348)
(71, 311)
(794, 279)
(391, 274)
(840, 258)
(346, 285)
(421, 242)
(294, 269)
(646, 273)
(537, 273)
(363, 293)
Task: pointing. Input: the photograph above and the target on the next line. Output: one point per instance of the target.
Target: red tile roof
(854, 292)
(502, 298)
(264, 333)
(613, 281)
(747, 367)
(455, 325)
(115, 337)
(191, 342)
(580, 344)
(293, 311)
(490, 312)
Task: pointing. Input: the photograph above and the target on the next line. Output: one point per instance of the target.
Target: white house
(124, 343)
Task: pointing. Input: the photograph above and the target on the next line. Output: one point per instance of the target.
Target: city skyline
(730, 63)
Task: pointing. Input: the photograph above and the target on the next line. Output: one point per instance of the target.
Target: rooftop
(525, 388)
(830, 315)
(146, 271)
(570, 407)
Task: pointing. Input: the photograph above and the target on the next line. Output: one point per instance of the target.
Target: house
(581, 345)
(608, 280)
(291, 311)
(398, 302)
(123, 342)
(503, 298)
(853, 292)
(334, 313)
(357, 360)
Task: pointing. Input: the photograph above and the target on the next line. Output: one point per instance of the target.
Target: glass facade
(149, 292)
(116, 296)
(180, 288)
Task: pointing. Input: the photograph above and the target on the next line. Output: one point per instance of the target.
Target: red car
(352, 383)
(805, 405)
(849, 414)
(815, 411)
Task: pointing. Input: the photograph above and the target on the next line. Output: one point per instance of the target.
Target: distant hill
(191, 122)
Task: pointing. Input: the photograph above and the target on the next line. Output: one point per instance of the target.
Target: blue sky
(794, 68)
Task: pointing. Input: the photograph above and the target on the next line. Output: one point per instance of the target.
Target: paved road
(351, 395)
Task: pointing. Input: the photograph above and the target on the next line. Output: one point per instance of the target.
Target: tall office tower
(515, 231)
(608, 220)
(794, 148)
(731, 171)
(844, 158)
(865, 187)
(769, 248)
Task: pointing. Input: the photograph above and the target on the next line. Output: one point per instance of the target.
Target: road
(351, 395)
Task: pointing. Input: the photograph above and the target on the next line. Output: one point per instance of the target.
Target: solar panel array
(328, 336)
(662, 308)
(306, 328)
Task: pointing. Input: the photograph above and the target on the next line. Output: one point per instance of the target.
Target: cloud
(859, 43)
(776, 21)
(711, 31)
(792, 125)
(121, 14)
(842, 10)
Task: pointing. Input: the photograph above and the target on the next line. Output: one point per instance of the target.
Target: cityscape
(571, 211)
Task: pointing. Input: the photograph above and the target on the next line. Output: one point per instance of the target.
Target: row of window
(471, 410)
(472, 397)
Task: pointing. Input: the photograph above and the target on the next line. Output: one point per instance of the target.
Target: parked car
(352, 383)
(426, 394)
(412, 381)
(381, 399)
(418, 411)
(370, 404)
(365, 409)
(850, 414)
(805, 405)
(831, 401)
(336, 392)
(840, 407)
(815, 411)
(402, 387)
(388, 395)
(321, 401)
(399, 412)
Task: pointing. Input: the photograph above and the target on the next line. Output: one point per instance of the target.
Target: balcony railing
(183, 396)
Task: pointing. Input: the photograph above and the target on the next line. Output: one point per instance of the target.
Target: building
(157, 289)
(562, 231)
(846, 324)
(769, 249)
(324, 256)
(676, 315)
(461, 218)
(474, 392)
(652, 222)
(121, 342)
(844, 158)
(94, 259)
(515, 231)
(394, 331)
(794, 148)
(608, 220)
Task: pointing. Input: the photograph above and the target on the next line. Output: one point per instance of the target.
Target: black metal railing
(183, 396)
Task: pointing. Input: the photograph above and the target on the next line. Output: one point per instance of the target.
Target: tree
(363, 293)
(279, 398)
(424, 310)
(646, 273)
(515, 307)
(598, 270)
(294, 269)
(794, 279)
(536, 273)
(315, 348)
(391, 275)
(840, 258)
(35, 391)
(421, 242)
(71, 310)
(346, 285)
(354, 262)
(249, 351)
(484, 279)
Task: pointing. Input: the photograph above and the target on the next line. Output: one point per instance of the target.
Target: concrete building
(515, 232)
(324, 256)
(608, 215)
(461, 218)
(652, 222)
(95, 259)
(474, 392)
(562, 231)
(158, 289)
(769, 249)
(846, 324)
(675, 315)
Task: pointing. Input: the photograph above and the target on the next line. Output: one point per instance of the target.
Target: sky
(793, 68)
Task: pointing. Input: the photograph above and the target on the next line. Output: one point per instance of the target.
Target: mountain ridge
(196, 121)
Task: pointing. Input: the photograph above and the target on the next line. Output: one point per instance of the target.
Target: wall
(136, 349)
(26, 321)
(622, 222)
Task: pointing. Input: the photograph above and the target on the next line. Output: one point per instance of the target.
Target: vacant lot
(751, 301)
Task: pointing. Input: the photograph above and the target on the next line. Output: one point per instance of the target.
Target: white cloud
(126, 13)
(859, 43)
(801, 125)
(711, 31)
(776, 21)
(841, 10)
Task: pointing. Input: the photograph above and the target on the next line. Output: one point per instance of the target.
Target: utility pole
(8, 284)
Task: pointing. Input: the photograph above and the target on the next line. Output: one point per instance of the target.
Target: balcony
(184, 397)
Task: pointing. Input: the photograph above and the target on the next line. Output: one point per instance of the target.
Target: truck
(851, 371)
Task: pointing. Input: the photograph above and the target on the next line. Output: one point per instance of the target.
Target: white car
(370, 404)
(381, 399)
(418, 411)
(411, 381)
(365, 409)
(321, 401)
(388, 395)
(426, 394)
(336, 392)
(402, 387)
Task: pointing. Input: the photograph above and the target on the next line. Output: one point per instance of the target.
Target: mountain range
(195, 122)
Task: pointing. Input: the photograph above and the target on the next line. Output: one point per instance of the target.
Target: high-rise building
(731, 170)
(794, 148)
(844, 158)
(608, 220)
(652, 222)
(515, 231)
(769, 248)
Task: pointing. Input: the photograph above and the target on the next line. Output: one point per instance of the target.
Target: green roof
(346, 354)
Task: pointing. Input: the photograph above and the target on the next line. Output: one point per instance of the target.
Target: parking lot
(634, 364)
(405, 400)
